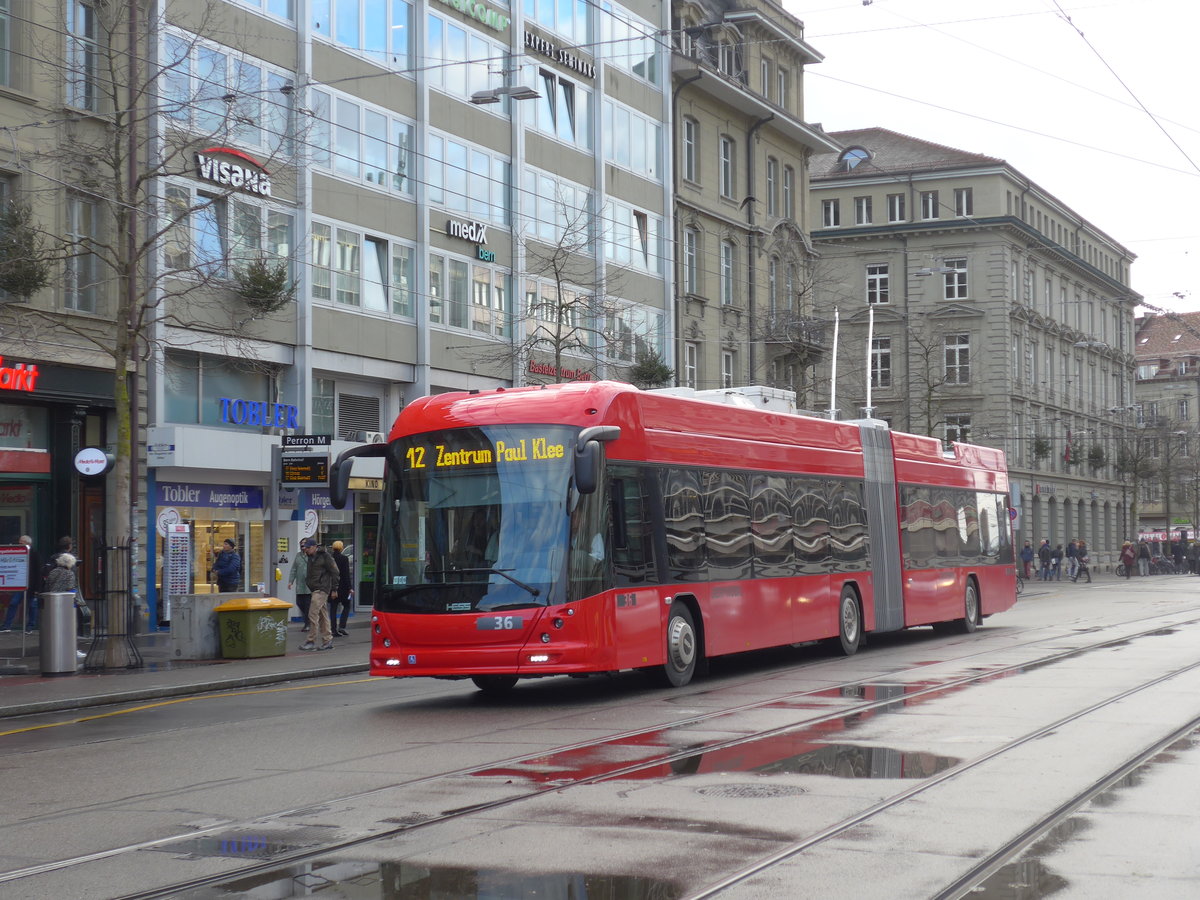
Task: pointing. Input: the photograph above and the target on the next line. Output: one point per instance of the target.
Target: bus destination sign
(439, 456)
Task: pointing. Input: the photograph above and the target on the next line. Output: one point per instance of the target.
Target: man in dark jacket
(1044, 559)
(321, 580)
(342, 596)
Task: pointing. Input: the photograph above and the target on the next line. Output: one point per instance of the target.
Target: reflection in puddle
(246, 844)
(834, 760)
(406, 881)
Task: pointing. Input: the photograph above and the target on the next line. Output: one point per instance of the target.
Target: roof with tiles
(892, 152)
(1167, 336)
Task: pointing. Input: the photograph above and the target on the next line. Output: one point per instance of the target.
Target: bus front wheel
(495, 685)
(849, 622)
(683, 646)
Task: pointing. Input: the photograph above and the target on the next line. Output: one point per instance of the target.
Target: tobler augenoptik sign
(233, 168)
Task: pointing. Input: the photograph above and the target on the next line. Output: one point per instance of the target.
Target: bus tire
(495, 685)
(683, 646)
(850, 623)
(970, 620)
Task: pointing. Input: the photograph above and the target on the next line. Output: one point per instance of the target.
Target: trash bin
(251, 627)
(58, 634)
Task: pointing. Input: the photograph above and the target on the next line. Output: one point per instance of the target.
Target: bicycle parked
(1020, 582)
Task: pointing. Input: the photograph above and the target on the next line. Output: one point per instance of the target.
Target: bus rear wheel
(495, 685)
(970, 620)
(849, 622)
(683, 646)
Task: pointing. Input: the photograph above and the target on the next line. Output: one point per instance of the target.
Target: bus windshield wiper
(503, 573)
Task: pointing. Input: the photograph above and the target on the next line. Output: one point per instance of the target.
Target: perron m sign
(213, 164)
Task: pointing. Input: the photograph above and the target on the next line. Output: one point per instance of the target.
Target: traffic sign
(307, 440)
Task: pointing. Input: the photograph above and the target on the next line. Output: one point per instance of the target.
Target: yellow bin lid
(244, 604)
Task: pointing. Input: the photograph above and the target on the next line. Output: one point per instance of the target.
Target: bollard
(58, 634)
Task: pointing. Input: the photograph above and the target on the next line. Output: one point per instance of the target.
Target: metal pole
(833, 369)
(270, 550)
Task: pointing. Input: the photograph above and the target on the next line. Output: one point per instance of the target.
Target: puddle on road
(406, 881)
(247, 844)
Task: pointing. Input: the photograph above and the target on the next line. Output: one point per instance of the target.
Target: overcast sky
(1016, 80)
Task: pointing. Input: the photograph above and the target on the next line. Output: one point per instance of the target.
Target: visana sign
(252, 178)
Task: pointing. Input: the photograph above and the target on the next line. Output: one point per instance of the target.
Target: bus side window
(633, 549)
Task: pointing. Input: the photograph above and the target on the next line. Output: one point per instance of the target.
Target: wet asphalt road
(613, 788)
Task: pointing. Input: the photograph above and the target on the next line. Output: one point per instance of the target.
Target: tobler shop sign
(233, 168)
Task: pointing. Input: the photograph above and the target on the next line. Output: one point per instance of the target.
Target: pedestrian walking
(340, 601)
(1128, 556)
(1143, 557)
(322, 580)
(1177, 553)
(1027, 557)
(227, 570)
(1072, 555)
(1056, 558)
(1193, 556)
(1044, 560)
(298, 576)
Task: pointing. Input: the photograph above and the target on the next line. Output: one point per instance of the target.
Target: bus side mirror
(587, 455)
(339, 474)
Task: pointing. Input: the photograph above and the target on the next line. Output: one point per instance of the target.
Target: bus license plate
(498, 623)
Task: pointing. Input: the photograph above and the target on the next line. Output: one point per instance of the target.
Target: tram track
(1148, 625)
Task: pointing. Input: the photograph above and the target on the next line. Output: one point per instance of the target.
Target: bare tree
(150, 258)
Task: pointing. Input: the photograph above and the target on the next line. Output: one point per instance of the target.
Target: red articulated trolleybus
(592, 527)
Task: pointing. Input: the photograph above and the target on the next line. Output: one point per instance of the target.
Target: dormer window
(851, 157)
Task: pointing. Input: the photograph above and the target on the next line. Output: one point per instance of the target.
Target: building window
(691, 135)
(929, 205)
(726, 58)
(727, 364)
(568, 19)
(881, 362)
(208, 88)
(5, 42)
(82, 269)
(83, 56)
(691, 260)
(366, 144)
(564, 112)
(1183, 412)
(375, 28)
(691, 365)
(772, 285)
(728, 261)
(958, 358)
(632, 236)
(727, 166)
(964, 205)
(789, 192)
(373, 273)
(831, 216)
(631, 140)
(956, 281)
(783, 88)
(764, 69)
(458, 59)
(199, 388)
(628, 43)
(895, 207)
(772, 186)
(633, 331)
(877, 283)
(557, 209)
(958, 428)
(862, 210)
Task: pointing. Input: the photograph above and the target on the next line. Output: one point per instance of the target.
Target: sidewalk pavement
(27, 691)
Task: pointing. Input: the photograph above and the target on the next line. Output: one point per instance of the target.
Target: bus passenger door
(638, 617)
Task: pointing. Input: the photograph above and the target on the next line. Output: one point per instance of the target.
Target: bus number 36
(498, 623)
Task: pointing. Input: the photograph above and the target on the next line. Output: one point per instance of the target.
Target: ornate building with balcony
(743, 275)
(975, 305)
(1165, 452)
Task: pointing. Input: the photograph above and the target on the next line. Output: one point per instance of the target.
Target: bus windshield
(476, 519)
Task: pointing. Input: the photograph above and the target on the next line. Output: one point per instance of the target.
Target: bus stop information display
(305, 469)
(14, 567)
